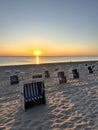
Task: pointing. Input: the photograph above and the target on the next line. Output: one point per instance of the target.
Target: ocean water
(19, 60)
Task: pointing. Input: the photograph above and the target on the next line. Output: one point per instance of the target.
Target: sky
(55, 27)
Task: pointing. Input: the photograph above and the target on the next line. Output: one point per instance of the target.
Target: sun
(37, 52)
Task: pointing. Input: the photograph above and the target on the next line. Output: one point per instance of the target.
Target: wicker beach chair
(62, 77)
(14, 79)
(46, 72)
(32, 93)
(59, 77)
(73, 73)
(90, 69)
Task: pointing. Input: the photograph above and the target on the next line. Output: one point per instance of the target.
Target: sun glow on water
(37, 53)
(37, 60)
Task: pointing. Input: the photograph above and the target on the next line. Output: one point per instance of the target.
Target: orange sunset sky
(55, 27)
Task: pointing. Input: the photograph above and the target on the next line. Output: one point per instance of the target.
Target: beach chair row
(59, 74)
(73, 74)
(32, 93)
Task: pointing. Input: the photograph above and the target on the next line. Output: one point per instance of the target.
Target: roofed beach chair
(73, 73)
(32, 93)
(90, 69)
(62, 77)
(14, 79)
(46, 72)
(59, 76)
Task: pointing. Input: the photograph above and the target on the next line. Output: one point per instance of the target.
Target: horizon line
(45, 55)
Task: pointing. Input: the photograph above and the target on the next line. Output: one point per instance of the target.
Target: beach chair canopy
(74, 71)
(61, 74)
(89, 67)
(37, 75)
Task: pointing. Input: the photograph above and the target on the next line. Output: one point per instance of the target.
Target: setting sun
(37, 52)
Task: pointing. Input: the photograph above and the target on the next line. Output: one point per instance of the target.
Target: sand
(69, 106)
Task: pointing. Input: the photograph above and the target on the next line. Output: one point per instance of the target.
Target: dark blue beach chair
(75, 73)
(14, 79)
(90, 69)
(33, 93)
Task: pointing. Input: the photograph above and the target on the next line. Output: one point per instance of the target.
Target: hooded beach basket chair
(62, 77)
(32, 93)
(59, 76)
(46, 72)
(14, 79)
(73, 73)
(90, 69)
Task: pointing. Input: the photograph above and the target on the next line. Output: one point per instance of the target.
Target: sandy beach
(69, 106)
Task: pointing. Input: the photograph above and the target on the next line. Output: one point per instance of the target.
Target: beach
(69, 106)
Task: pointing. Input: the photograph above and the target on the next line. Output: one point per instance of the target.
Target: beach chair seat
(27, 93)
(32, 93)
(14, 79)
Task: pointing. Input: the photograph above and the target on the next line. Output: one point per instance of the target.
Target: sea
(21, 60)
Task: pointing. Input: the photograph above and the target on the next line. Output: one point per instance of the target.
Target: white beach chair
(46, 72)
